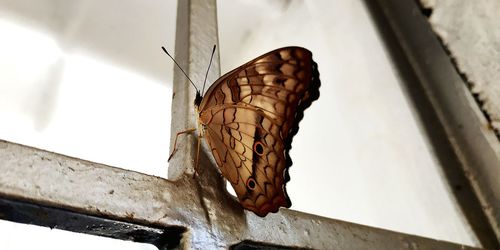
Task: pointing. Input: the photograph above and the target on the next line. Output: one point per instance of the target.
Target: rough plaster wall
(471, 32)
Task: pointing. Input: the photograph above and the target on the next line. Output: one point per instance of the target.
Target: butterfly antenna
(209, 64)
(180, 68)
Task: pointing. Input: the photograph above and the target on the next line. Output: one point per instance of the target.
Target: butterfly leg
(177, 136)
(197, 156)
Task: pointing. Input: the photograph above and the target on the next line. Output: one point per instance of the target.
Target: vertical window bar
(195, 36)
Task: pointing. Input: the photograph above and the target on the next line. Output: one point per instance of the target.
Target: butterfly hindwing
(248, 156)
(250, 116)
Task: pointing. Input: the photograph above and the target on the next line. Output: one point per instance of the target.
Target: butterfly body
(248, 118)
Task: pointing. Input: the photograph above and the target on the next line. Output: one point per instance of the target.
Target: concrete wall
(471, 32)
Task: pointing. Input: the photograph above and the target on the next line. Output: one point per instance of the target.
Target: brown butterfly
(249, 117)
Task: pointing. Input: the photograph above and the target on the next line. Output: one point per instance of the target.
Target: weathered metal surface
(195, 36)
(44, 188)
(57, 191)
(25, 212)
(465, 128)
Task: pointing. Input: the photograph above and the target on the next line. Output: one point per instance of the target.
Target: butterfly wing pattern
(249, 117)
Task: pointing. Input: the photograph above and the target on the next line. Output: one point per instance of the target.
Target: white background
(88, 79)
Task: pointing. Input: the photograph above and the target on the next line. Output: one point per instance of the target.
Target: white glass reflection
(84, 79)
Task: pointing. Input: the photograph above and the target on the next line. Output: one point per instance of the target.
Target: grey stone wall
(470, 30)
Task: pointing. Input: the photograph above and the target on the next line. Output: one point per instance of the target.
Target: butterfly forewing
(250, 116)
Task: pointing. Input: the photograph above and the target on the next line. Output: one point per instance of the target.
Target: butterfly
(249, 116)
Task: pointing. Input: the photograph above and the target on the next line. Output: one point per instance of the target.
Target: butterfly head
(198, 99)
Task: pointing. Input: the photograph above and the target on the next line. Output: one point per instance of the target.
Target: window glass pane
(86, 79)
(89, 79)
(360, 155)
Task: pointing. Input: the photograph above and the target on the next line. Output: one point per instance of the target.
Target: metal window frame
(466, 146)
(57, 191)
